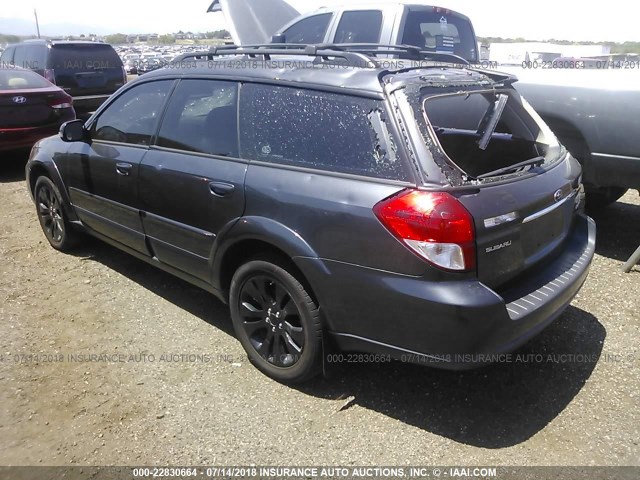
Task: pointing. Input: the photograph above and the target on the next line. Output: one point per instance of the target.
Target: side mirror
(279, 38)
(73, 131)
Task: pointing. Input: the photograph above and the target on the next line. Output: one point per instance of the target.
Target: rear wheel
(52, 216)
(276, 321)
(603, 196)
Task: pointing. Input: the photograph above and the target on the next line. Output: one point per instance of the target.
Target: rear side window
(310, 30)
(133, 117)
(359, 27)
(319, 130)
(202, 117)
(441, 32)
(85, 57)
(7, 56)
(15, 79)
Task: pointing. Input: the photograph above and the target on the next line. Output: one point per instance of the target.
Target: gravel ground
(151, 406)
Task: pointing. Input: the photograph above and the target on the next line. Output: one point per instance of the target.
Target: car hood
(253, 22)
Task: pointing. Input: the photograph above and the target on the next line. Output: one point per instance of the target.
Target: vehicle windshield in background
(14, 79)
(442, 33)
(79, 56)
(489, 133)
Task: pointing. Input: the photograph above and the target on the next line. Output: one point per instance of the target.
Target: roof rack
(357, 54)
(321, 51)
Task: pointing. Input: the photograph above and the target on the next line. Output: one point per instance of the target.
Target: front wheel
(276, 321)
(52, 216)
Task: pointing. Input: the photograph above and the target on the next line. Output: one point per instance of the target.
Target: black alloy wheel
(276, 321)
(52, 216)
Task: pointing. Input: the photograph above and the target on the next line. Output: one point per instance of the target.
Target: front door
(191, 181)
(103, 173)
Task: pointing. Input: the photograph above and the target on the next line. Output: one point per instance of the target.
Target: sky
(614, 20)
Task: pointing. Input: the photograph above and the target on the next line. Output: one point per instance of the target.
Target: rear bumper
(453, 325)
(18, 138)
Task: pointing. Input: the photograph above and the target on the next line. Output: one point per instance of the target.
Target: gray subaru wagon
(339, 199)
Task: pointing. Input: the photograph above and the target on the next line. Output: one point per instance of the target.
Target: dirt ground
(105, 360)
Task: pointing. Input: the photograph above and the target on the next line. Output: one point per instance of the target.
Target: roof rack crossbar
(359, 54)
(324, 52)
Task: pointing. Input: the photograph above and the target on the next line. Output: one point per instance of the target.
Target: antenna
(35, 13)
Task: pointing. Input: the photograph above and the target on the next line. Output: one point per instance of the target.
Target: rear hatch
(519, 184)
(84, 69)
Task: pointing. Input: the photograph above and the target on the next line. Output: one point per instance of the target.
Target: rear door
(85, 69)
(103, 174)
(191, 181)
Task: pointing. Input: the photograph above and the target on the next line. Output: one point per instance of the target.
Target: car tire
(52, 216)
(602, 197)
(276, 320)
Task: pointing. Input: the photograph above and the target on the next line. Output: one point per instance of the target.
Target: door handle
(221, 189)
(124, 169)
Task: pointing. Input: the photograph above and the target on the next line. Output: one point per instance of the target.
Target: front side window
(310, 30)
(133, 117)
(362, 26)
(202, 117)
(318, 130)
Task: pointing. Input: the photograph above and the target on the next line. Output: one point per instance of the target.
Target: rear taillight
(435, 225)
(61, 102)
(50, 75)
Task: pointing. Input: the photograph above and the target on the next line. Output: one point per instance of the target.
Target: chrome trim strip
(608, 155)
(547, 210)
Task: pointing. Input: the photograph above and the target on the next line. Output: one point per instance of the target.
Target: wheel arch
(38, 168)
(251, 237)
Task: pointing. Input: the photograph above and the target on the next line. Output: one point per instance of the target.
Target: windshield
(441, 32)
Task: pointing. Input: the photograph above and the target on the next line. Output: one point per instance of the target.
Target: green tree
(166, 39)
(116, 38)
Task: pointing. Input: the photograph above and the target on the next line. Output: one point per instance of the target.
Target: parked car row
(88, 71)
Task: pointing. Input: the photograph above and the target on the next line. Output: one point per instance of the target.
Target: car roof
(336, 76)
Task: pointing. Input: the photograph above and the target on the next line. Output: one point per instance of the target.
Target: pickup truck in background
(595, 113)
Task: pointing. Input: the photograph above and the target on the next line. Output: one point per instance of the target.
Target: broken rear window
(319, 130)
(489, 133)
